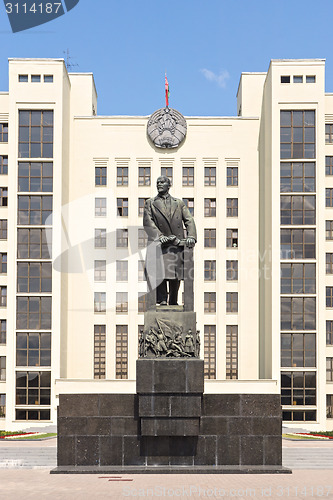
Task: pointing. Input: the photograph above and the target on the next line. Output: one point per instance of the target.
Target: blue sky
(203, 44)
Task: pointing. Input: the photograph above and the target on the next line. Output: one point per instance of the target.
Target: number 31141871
(35, 8)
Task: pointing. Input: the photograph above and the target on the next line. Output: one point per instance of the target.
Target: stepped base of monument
(196, 469)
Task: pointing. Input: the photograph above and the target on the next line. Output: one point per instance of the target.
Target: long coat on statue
(166, 261)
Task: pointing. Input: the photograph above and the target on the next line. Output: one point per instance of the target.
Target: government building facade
(73, 186)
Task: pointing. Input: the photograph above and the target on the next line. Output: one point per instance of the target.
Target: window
(210, 238)
(329, 263)
(3, 164)
(310, 79)
(35, 78)
(329, 133)
(141, 270)
(298, 350)
(210, 176)
(3, 331)
(329, 229)
(232, 352)
(100, 238)
(99, 351)
(100, 176)
(329, 197)
(33, 349)
(2, 368)
(210, 302)
(34, 277)
(298, 388)
(121, 302)
(299, 416)
(99, 302)
(3, 229)
(33, 313)
(3, 132)
(32, 415)
(232, 270)
(100, 207)
(329, 332)
(121, 351)
(298, 313)
(33, 388)
(122, 238)
(23, 78)
(3, 263)
(144, 176)
(232, 238)
(141, 206)
(298, 210)
(48, 78)
(210, 270)
(328, 165)
(285, 79)
(34, 244)
(298, 177)
(232, 176)
(2, 405)
(329, 296)
(167, 172)
(35, 177)
(122, 270)
(188, 176)
(122, 207)
(3, 296)
(122, 176)
(329, 406)
(232, 302)
(297, 134)
(100, 270)
(329, 369)
(189, 202)
(3, 197)
(298, 278)
(232, 207)
(210, 351)
(210, 207)
(142, 238)
(298, 243)
(142, 306)
(35, 134)
(34, 210)
(298, 79)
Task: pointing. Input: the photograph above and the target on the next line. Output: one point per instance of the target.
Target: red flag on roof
(167, 91)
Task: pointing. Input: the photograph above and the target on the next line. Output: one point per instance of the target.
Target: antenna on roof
(69, 61)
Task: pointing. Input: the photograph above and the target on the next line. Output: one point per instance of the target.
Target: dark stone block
(71, 426)
(118, 405)
(111, 450)
(181, 460)
(155, 446)
(182, 446)
(132, 449)
(158, 460)
(260, 405)
(228, 450)
(98, 426)
(273, 450)
(240, 426)
(188, 405)
(87, 450)
(170, 427)
(216, 426)
(267, 426)
(124, 426)
(169, 376)
(66, 450)
(154, 405)
(195, 375)
(252, 450)
(144, 376)
(223, 405)
(78, 405)
(206, 451)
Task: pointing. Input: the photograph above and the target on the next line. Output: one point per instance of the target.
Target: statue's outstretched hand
(190, 242)
(163, 239)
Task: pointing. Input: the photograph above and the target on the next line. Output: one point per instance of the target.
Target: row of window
(35, 78)
(122, 303)
(298, 78)
(144, 176)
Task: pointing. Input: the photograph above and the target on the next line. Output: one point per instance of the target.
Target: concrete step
(311, 458)
(17, 458)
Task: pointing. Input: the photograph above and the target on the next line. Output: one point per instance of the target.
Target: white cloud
(220, 79)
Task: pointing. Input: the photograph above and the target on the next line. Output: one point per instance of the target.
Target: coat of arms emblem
(167, 128)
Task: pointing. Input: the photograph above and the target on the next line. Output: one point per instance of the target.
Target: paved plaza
(25, 473)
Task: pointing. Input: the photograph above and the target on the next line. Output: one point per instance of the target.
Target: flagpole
(166, 91)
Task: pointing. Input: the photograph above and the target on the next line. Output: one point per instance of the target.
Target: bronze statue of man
(164, 220)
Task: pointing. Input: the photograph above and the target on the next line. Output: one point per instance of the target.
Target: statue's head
(163, 184)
